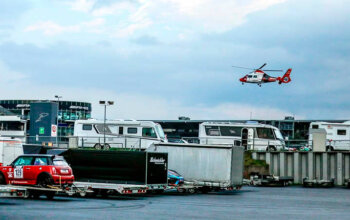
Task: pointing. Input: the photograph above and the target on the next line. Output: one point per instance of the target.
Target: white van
(338, 134)
(118, 133)
(10, 149)
(253, 136)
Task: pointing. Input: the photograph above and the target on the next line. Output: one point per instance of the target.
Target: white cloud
(82, 5)
(114, 9)
(51, 28)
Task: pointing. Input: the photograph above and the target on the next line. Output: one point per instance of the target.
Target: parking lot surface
(249, 203)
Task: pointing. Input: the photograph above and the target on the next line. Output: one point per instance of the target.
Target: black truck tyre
(44, 180)
(2, 179)
(50, 195)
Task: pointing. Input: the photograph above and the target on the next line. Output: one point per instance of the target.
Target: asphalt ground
(291, 202)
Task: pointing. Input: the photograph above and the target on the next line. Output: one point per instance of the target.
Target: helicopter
(258, 76)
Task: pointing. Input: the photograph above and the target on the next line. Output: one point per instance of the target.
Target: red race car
(37, 169)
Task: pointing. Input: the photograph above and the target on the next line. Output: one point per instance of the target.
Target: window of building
(230, 131)
(87, 127)
(265, 133)
(121, 130)
(149, 132)
(132, 130)
(341, 132)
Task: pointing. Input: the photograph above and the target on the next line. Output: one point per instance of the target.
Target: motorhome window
(160, 131)
(113, 128)
(278, 134)
(255, 76)
(121, 130)
(265, 133)
(209, 130)
(149, 132)
(214, 132)
(132, 130)
(314, 126)
(249, 76)
(230, 131)
(99, 128)
(341, 132)
(87, 127)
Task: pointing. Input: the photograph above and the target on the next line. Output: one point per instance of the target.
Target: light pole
(105, 104)
(58, 108)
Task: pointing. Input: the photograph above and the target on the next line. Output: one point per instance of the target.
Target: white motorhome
(337, 137)
(10, 149)
(118, 133)
(252, 136)
(13, 127)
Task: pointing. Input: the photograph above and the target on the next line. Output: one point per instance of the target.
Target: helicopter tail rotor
(285, 78)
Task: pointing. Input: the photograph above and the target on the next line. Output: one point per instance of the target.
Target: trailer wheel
(98, 146)
(271, 148)
(205, 190)
(181, 190)
(50, 195)
(329, 148)
(2, 179)
(192, 190)
(106, 147)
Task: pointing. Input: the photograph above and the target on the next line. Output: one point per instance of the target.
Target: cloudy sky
(160, 59)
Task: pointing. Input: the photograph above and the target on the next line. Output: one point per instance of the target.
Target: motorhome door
(248, 138)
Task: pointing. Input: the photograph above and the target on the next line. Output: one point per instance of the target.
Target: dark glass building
(68, 112)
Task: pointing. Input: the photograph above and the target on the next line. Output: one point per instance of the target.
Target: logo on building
(41, 116)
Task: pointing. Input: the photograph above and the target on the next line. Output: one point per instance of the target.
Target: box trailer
(205, 166)
(121, 172)
(10, 149)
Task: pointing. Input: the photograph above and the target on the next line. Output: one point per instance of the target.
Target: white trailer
(10, 149)
(117, 133)
(252, 136)
(207, 167)
(337, 137)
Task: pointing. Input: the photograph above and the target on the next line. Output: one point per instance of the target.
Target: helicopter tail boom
(285, 78)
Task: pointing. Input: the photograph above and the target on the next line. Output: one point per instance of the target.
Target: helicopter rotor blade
(262, 66)
(273, 70)
(243, 67)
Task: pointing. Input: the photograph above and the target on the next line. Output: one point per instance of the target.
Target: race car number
(18, 172)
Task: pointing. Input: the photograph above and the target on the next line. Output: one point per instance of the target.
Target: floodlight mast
(105, 104)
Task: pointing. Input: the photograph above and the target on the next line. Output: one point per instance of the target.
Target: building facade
(68, 112)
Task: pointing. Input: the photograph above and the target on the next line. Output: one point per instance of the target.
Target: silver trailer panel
(217, 166)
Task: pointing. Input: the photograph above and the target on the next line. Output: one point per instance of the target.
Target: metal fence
(98, 142)
(310, 165)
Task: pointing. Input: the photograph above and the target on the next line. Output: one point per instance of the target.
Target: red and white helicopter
(258, 76)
